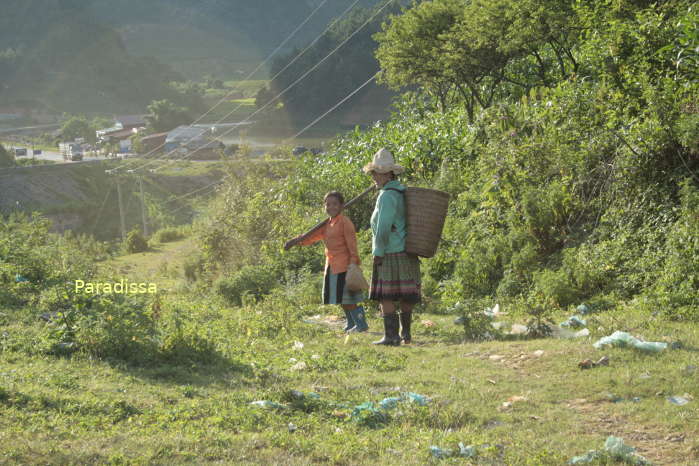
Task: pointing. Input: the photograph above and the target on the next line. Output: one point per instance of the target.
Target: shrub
(255, 281)
(166, 235)
(135, 242)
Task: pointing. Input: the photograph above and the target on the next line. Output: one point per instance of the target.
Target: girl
(340, 240)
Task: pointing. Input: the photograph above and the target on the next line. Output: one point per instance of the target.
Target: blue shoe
(360, 319)
(350, 321)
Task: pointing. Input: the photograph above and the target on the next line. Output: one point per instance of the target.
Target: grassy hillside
(203, 364)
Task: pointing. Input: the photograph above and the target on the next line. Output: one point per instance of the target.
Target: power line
(279, 47)
(356, 31)
(334, 107)
(147, 163)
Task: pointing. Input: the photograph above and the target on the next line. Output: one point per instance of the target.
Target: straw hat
(383, 163)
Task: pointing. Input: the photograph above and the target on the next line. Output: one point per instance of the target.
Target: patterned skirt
(396, 279)
(335, 291)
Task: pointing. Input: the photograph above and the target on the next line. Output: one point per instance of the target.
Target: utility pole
(143, 207)
(121, 211)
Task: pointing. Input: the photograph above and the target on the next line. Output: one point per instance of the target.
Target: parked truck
(71, 151)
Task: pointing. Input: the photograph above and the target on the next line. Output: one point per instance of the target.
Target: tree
(78, 127)
(474, 52)
(6, 159)
(164, 116)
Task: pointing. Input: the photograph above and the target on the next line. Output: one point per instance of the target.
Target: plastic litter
(461, 320)
(574, 322)
(538, 353)
(465, 451)
(315, 357)
(389, 403)
(292, 427)
(678, 400)
(583, 309)
(623, 340)
(299, 395)
(299, 366)
(267, 404)
(420, 400)
(615, 448)
(518, 329)
(298, 345)
(20, 279)
(494, 312)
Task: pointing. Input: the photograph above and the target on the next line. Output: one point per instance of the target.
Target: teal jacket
(388, 220)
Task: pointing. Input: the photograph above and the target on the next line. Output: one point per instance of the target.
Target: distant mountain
(217, 37)
(118, 55)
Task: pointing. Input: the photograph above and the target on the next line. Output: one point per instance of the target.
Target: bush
(166, 235)
(255, 281)
(135, 242)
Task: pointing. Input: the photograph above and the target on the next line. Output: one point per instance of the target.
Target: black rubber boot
(390, 325)
(350, 321)
(406, 318)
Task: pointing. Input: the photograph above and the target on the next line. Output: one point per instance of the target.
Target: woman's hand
(378, 260)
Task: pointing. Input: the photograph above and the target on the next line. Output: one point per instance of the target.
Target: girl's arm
(350, 235)
(306, 240)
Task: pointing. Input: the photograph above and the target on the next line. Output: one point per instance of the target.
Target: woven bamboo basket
(426, 210)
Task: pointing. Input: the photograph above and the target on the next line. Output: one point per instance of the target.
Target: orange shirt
(340, 239)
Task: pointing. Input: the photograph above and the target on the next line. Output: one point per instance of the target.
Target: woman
(396, 274)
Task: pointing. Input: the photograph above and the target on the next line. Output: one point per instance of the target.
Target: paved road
(53, 156)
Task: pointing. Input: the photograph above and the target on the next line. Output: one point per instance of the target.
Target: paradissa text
(121, 287)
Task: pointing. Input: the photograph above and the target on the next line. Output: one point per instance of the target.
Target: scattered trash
(298, 345)
(461, 320)
(292, 360)
(586, 364)
(492, 381)
(367, 414)
(315, 357)
(427, 323)
(496, 357)
(538, 353)
(494, 312)
(299, 366)
(612, 398)
(20, 279)
(464, 451)
(292, 427)
(420, 400)
(499, 325)
(389, 403)
(299, 395)
(589, 364)
(582, 333)
(518, 329)
(636, 399)
(511, 402)
(583, 309)
(623, 339)
(574, 322)
(678, 400)
(267, 404)
(615, 448)
(675, 345)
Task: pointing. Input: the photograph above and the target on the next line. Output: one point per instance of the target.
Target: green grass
(80, 410)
